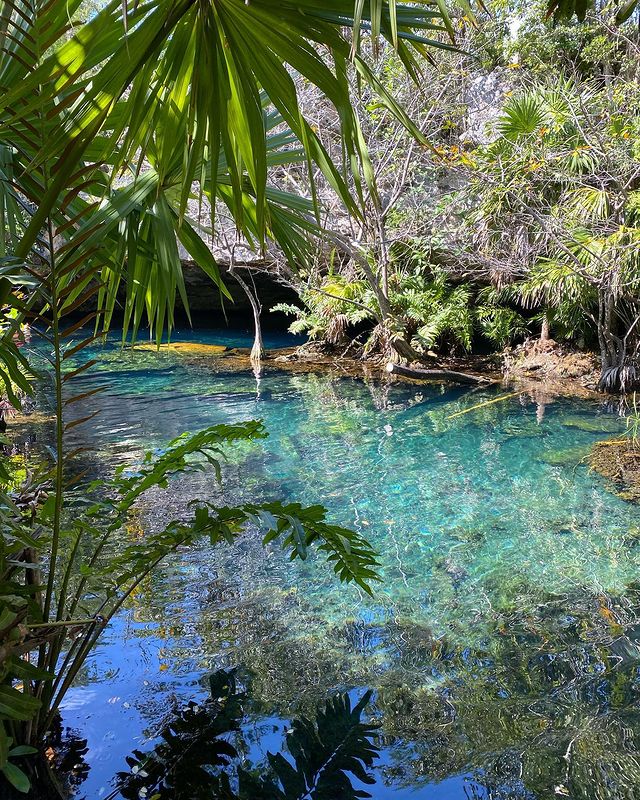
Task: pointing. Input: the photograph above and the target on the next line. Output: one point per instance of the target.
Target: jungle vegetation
(518, 219)
(132, 132)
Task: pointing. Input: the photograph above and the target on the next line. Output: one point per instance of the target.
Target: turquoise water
(501, 641)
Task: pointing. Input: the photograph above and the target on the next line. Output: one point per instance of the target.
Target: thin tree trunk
(257, 351)
(386, 318)
(384, 257)
(545, 332)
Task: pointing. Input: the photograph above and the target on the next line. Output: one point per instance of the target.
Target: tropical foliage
(134, 133)
(524, 210)
(60, 609)
(556, 214)
(429, 311)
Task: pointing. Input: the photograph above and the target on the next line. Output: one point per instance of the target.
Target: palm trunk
(545, 333)
(612, 348)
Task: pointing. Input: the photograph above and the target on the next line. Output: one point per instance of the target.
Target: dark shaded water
(501, 644)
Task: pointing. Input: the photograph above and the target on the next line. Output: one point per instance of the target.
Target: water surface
(501, 642)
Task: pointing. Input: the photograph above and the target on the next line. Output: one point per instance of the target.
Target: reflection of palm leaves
(325, 752)
(191, 744)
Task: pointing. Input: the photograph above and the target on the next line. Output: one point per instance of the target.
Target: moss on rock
(568, 456)
(186, 348)
(619, 462)
(595, 424)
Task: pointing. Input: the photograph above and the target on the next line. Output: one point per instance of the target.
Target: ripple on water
(487, 525)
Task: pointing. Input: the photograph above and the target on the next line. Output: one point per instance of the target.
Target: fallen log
(436, 374)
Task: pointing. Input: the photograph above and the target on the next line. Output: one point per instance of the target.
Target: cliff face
(484, 99)
(203, 295)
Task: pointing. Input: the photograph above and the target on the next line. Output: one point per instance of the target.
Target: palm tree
(174, 87)
(564, 177)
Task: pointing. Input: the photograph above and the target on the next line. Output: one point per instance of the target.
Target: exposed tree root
(437, 375)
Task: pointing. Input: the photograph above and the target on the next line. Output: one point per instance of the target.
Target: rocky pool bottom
(502, 645)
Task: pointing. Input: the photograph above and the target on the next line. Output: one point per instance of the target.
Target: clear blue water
(489, 643)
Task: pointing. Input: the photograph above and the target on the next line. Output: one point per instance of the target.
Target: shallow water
(491, 643)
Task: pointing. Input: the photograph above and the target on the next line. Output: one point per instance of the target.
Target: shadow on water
(205, 752)
(549, 707)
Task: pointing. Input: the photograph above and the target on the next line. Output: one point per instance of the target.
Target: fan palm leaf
(177, 86)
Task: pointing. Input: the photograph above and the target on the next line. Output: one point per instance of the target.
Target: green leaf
(201, 254)
(28, 672)
(23, 750)
(17, 705)
(16, 778)
(625, 11)
(5, 744)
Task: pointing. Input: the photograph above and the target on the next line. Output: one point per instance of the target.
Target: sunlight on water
(498, 550)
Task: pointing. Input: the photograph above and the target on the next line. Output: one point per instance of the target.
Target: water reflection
(205, 752)
(503, 645)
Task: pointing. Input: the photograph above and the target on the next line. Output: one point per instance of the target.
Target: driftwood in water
(436, 374)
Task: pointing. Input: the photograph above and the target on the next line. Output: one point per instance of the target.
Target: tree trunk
(384, 257)
(545, 333)
(407, 352)
(257, 351)
(436, 375)
(386, 318)
(613, 375)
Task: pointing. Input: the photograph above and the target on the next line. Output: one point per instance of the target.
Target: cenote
(501, 639)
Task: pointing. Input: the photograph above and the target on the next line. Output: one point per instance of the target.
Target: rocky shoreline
(547, 372)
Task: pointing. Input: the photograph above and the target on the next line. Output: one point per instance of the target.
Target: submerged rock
(619, 462)
(186, 348)
(522, 429)
(567, 456)
(594, 424)
(455, 572)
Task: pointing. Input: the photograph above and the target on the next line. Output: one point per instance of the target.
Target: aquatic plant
(633, 423)
(58, 607)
